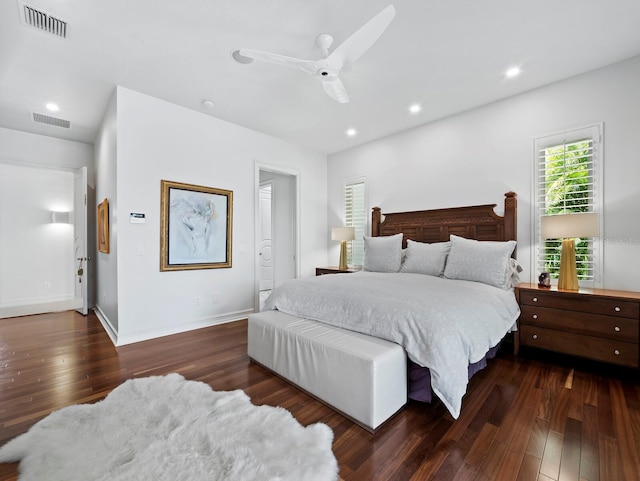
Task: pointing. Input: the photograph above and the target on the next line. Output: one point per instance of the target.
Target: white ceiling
(448, 55)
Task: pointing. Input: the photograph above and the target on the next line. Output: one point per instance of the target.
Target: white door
(80, 302)
(266, 252)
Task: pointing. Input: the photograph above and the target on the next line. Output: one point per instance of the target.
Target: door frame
(295, 174)
(80, 241)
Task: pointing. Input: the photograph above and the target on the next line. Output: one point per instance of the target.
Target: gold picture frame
(103, 226)
(195, 227)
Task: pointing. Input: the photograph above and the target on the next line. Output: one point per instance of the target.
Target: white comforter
(443, 324)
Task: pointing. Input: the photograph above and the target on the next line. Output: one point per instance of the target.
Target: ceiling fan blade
(336, 90)
(358, 43)
(308, 66)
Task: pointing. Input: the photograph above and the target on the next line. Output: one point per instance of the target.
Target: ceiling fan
(327, 69)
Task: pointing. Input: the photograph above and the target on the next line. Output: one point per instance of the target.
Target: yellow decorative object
(343, 234)
(567, 227)
(568, 277)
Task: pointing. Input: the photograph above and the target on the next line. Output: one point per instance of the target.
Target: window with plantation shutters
(567, 177)
(355, 216)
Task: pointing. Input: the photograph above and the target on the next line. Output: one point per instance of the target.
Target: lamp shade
(562, 226)
(343, 233)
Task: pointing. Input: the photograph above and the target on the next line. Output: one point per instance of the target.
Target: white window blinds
(355, 216)
(567, 180)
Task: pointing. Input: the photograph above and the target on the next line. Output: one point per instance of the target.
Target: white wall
(158, 140)
(477, 156)
(24, 148)
(37, 257)
(105, 151)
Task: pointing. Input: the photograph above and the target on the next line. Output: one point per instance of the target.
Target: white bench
(362, 377)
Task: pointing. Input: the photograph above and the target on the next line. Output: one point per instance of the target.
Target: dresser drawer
(617, 328)
(599, 349)
(581, 303)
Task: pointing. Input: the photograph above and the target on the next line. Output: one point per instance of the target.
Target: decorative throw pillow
(480, 261)
(425, 258)
(383, 254)
(513, 273)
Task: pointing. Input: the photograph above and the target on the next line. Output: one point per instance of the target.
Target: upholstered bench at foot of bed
(361, 376)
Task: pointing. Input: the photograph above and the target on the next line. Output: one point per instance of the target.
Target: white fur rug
(168, 428)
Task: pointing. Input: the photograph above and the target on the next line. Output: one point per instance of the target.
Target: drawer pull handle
(535, 299)
(617, 329)
(535, 316)
(617, 309)
(535, 336)
(616, 352)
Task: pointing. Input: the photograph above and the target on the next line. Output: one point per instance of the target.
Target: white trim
(140, 336)
(54, 304)
(106, 324)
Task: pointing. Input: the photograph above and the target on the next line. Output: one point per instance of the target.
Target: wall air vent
(43, 21)
(46, 119)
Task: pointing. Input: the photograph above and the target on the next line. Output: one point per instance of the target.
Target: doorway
(38, 239)
(277, 238)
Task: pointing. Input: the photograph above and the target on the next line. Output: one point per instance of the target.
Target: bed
(414, 263)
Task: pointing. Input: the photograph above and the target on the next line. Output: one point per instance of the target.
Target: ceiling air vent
(43, 21)
(46, 119)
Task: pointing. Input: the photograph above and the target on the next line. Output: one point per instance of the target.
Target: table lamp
(567, 227)
(343, 234)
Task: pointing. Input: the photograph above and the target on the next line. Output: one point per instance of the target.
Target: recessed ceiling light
(351, 132)
(52, 107)
(513, 72)
(415, 108)
(207, 104)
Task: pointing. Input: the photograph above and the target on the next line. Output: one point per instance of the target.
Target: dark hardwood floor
(535, 417)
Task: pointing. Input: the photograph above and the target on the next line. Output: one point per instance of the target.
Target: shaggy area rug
(168, 428)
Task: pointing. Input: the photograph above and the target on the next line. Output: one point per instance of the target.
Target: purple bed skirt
(419, 378)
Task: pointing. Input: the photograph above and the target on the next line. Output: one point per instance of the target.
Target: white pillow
(383, 254)
(479, 261)
(425, 258)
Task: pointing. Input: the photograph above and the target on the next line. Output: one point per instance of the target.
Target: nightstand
(321, 271)
(598, 324)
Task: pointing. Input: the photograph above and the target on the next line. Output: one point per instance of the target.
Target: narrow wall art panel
(103, 226)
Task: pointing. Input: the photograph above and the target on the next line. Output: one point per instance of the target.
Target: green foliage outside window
(568, 183)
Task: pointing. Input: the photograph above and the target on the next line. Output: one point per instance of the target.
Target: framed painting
(103, 226)
(196, 224)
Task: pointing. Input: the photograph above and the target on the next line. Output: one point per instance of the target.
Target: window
(567, 180)
(355, 216)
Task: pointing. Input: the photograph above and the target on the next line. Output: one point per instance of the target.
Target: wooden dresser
(599, 324)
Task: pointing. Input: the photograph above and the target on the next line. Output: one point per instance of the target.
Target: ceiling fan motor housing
(327, 73)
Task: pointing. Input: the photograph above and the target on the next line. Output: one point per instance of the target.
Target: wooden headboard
(473, 222)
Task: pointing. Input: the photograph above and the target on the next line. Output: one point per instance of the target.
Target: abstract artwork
(196, 224)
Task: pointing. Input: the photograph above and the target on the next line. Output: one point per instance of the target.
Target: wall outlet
(216, 297)
(197, 301)
(47, 285)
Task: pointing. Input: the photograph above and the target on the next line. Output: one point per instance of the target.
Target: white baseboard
(130, 338)
(108, 327)
(37, 308)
